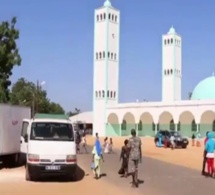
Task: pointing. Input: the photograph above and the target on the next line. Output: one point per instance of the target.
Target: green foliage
(26, 93)
(9, 56)
(73, 113)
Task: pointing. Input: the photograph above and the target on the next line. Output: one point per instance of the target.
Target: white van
(49, 142)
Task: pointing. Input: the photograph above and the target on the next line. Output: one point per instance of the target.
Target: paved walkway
(159, 178)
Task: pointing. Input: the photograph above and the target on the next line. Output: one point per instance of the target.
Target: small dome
(171, 30)
(107, 3)
(205, 90)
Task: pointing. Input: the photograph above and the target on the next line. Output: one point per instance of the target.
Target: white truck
(49, 144)
(11, 118)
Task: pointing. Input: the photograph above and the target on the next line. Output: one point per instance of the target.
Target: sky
(56, 45)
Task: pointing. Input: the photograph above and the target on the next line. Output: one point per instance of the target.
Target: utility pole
(36, 96)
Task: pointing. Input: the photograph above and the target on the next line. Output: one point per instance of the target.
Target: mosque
(111, 118)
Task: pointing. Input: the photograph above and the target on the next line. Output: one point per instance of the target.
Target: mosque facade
(111, 118)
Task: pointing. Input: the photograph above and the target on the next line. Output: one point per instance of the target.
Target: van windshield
(49, 131)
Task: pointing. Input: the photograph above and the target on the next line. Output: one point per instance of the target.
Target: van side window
(24, 128)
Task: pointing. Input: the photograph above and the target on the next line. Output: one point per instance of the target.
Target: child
(106, 146)
(198, 144)
(84, 143)
(111, 145)
(124, 157)
(165, 141)
(172, 140)
(210, 148)
(193, 139)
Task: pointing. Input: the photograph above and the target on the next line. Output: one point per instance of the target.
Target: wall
(185, 112)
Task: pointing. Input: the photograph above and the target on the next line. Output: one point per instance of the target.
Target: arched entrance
(145, 126)
(207, 122)
(128, 123)
(113, 127)
(187, 123)
(166, 121)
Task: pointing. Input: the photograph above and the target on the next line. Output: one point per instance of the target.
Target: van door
(23, 139)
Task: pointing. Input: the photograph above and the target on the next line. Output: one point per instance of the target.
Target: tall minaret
(106, 64)
(171, 66)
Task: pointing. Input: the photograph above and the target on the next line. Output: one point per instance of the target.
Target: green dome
(205, 90)
(107, 3)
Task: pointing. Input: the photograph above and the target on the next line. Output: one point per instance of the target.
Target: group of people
(108, 146)
(208, 156)
(131, 156)
(81, 143)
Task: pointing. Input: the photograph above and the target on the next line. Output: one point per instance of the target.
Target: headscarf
(98, 147)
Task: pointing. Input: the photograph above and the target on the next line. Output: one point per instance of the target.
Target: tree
(26, 93)
(73, 113)
(9, 56)
(55, 108)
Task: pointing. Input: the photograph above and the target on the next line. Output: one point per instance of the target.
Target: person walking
(124, 156)
(135, 157)
(204, 155)
(84, 143)
(193, 139)
(96, 159)
(210, 149)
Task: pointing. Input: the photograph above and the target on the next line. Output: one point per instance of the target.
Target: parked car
(180, 142)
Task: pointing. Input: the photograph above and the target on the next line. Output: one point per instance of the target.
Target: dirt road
(159, 178)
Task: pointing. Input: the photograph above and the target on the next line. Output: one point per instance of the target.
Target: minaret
(106, 64)
(171, 66)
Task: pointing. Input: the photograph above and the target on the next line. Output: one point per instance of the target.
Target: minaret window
(97, 17)
(103, 54)
(104, 16)
(171, 40)
(164, 72)
(109, 16)
(99, 93)
(111, 56)
(115, 18)
(165, 42)
(97, 56)
(108, 54)
(111, 94)
(167, 72)
(100, 55)
(168, 41)
(103, 93)
(171, 71)
(96, 94)
(114, 94)
(101, 16)
(108, 93)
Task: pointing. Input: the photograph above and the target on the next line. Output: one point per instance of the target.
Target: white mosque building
(111, 118)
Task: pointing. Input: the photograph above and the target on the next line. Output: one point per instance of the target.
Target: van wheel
(27, 175)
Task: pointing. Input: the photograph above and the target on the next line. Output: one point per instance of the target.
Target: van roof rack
(51, 116)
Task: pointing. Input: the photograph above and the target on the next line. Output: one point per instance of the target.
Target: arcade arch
(128, 123)
(166, 120)
(145, 126)
(187, 123)
(207, 122)
(113, 126)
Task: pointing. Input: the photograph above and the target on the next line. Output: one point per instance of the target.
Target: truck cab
(49, 144)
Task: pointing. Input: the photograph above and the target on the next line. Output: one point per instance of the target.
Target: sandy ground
(12, 181)
(191, 157)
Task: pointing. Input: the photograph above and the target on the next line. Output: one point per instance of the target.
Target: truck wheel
(184, 147)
